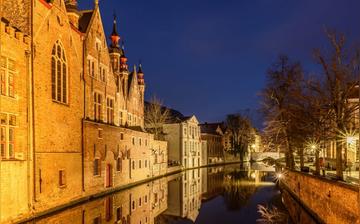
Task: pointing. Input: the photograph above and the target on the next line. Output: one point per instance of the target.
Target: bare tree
(340, 69)
(271, 215)
(156, 115)
(280, 105)
(241, 130)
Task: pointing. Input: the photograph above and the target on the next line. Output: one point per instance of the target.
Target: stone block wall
(331, 201)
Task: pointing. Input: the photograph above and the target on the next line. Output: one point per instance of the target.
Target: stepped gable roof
(85, 18)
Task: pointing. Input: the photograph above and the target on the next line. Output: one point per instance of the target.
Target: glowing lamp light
(253, 175)
(279, 175)
(350, 140)
(253, 146)
(313, 147)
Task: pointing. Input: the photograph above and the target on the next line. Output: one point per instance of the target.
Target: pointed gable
(133, 84)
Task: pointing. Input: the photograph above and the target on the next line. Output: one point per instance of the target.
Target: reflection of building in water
(139, 204)
(184, 198)
(215, 178)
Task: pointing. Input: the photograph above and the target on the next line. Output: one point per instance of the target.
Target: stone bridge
(258, 156)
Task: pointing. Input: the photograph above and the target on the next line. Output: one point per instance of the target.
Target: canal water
(221, 194)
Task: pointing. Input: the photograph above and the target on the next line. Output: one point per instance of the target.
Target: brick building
(72, 112)
(213, 135)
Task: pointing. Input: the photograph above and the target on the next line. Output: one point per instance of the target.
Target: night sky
(209, 58)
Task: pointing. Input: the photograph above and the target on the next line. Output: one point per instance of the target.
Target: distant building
(213, 135)
(184, 141)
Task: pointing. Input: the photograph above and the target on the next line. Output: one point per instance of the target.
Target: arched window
(59, 73)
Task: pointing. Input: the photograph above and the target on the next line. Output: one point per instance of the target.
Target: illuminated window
(7, 73)
(59, 77)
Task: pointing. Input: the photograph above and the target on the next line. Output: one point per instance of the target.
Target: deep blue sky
(209, 58)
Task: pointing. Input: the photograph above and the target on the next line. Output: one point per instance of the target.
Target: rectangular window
(62, 182)
(118, 214)
(110, 110)
(120, 118)
(121, 136)
(3, 141)
(139, 164)
(97, 220)
(11, 142)
(11, 84)
(3, 81)
(97, 167)
(93, 69)
(118, 164)
(7, 75)
(7, 135)
(97, 106)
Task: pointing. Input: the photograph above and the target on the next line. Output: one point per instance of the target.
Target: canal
(219, 194)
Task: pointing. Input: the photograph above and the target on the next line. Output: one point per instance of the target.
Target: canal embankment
(327, 201)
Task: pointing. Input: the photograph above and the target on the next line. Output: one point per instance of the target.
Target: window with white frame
(7, 135)
(7, 74)
(59, 74)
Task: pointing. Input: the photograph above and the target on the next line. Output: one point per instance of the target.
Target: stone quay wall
(329, 201)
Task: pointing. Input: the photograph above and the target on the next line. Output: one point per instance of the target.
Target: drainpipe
(33, 100)
(83, 119)
(0, 107)
(29, 157)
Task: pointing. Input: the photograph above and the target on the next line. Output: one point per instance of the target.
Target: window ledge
(61, 103)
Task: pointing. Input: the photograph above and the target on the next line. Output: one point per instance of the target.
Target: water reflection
(222, 194)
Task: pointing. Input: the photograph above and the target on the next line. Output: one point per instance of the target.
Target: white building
(184, 141)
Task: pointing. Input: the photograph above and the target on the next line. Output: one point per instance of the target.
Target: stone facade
(72, 112)
(184, 141)
(15, 123)
(324, 197)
